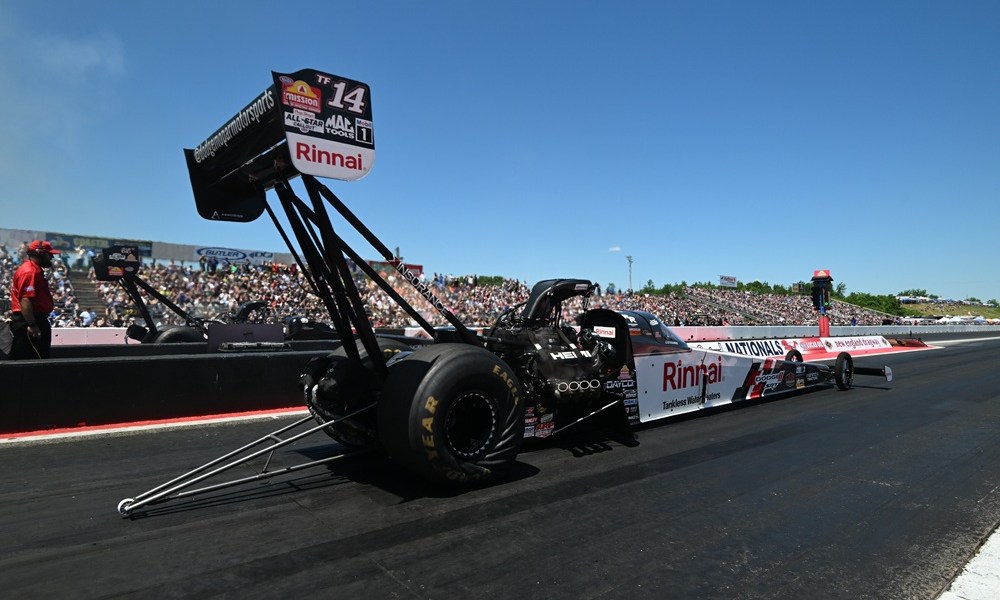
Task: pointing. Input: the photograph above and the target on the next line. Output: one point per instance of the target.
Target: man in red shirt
(31, 302)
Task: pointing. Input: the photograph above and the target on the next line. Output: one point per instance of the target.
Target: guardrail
(768, 332)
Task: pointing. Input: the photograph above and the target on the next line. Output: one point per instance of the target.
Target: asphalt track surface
(882, 491)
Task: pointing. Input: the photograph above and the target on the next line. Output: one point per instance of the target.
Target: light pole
(629, 259)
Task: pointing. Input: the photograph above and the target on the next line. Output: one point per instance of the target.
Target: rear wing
(306, 122)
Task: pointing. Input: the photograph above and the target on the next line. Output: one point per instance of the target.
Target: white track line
(980, 580)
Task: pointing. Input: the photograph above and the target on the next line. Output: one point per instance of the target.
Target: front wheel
(843, 371)
(453, 414)
(793, 356)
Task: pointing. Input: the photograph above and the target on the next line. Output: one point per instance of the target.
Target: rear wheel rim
(470, 425)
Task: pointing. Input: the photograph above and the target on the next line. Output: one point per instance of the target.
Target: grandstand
(208, 290)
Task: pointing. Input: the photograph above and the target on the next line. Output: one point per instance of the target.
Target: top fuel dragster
(453, 409)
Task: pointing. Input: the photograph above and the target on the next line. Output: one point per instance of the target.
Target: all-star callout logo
(299, 94)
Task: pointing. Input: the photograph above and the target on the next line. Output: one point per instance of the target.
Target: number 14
(355, 99)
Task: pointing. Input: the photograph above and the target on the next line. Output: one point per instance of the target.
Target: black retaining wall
(99, 385)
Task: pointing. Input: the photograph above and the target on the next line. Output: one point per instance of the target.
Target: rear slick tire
(453, 414)
(356, 382)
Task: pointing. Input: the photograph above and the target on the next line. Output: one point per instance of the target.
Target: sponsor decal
(769, 380)
(569, 355)
(605, 332)
(312, 153)
(341, 126)
(529, 431)
(364, 131)
(682, 402)
(678, 375)
(619, 384)
(299, 94)
(631, 402)
(252, 113)
(304, 122)
(544, 429)
(421, 287)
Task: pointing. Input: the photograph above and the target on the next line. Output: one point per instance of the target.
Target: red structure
(822, 283)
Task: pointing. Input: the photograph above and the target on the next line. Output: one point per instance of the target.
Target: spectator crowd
(211, 289)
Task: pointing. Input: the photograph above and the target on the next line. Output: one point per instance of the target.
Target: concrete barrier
(766, 332)
(138, 385)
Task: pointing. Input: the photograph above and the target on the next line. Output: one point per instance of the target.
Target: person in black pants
(31, 303)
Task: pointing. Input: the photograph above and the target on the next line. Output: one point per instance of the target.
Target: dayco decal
(678, 376)
(761, 348)
(619, 384)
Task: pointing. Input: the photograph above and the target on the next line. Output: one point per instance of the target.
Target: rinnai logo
(604, 332)
(310, 153)
(677, 376)
(300, 94)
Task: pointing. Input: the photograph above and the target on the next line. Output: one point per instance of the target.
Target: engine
(553, 362)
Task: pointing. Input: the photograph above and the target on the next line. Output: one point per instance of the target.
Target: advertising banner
(234, 255)
(809, 347)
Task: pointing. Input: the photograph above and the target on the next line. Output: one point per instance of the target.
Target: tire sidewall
(793, 355)
(344, 432)
(454, 371)
(843, 371)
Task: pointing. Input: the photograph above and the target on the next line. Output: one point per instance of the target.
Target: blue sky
(761, 140)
